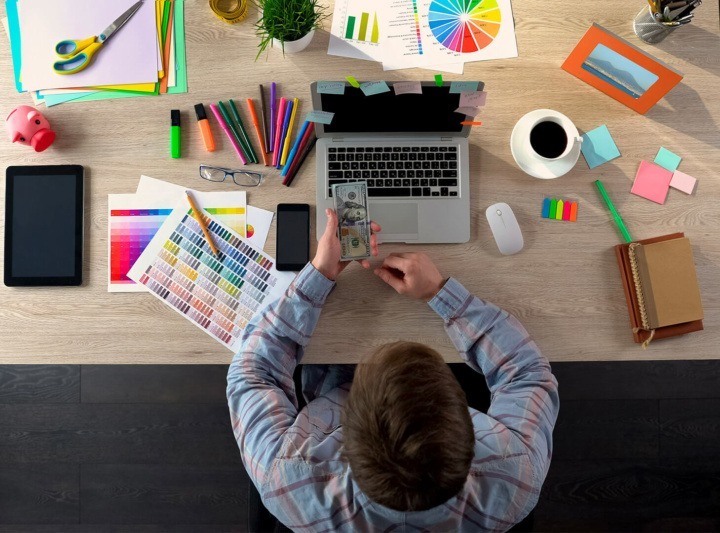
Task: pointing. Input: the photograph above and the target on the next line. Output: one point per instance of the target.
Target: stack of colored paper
(146, 56)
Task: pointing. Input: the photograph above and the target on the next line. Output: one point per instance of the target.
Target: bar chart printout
(365, 31)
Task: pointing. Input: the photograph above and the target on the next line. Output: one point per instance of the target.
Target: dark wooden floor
(149, 449)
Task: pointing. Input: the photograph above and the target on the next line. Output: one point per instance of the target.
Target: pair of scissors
(78, 54)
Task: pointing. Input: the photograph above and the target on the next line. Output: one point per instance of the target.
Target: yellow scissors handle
(75, 62)
(71, 47)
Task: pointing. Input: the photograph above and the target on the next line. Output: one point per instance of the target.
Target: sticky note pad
(330, 87)
(683, 182)
(322, 117)
(652, 182)
(472, 99)
(463, 86)
(468, 111)
(370, 88)
(598, 147)
(407, 87)
(668, 160)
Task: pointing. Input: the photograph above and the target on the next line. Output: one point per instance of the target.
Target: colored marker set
(282, 119)
(555, 209)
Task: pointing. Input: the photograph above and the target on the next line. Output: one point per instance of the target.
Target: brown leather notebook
(641, 335)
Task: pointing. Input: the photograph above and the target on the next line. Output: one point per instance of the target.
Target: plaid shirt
(294, 458)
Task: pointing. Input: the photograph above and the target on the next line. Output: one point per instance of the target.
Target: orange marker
(205, 130)
(256, 123)
(470, 123)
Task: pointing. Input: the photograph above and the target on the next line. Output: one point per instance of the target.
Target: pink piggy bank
(27, 125)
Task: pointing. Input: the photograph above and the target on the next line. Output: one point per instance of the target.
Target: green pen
(248, 145)
(231, 125)
(616, 216)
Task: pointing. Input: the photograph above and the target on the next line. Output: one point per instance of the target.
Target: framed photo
(621, 70)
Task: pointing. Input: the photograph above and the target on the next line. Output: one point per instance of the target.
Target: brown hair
(408, 435)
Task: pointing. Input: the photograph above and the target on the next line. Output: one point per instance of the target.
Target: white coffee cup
(551, 136)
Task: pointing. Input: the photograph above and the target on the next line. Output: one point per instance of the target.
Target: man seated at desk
(395, 446)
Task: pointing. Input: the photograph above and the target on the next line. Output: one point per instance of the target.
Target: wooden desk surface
(564, 286)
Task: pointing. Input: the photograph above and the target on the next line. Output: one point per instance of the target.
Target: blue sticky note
(463, 87)
(598, 147)
(321, 117)
(374, 87)
(331, 87)
(668, 160)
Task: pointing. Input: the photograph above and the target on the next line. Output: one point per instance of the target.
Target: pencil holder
(648, 28)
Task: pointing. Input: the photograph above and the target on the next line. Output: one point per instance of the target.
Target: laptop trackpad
(396, 219)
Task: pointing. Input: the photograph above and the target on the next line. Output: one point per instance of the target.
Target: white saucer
(536, 167)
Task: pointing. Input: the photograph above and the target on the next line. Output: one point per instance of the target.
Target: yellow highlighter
(286, 145)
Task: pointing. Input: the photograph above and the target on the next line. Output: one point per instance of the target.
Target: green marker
(616, 216)
(233, 129)
(239, 121)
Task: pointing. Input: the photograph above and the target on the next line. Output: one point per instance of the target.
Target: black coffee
(548, 139)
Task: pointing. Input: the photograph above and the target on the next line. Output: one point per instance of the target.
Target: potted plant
(289, 24)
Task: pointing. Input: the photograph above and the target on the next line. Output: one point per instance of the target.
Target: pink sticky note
(652, 182)
(683, 182)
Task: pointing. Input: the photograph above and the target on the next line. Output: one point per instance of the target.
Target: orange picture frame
(619, 83)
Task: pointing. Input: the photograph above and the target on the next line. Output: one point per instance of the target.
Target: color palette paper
(652, 182)
(133, 220)
(598, 147)
(218, 295)
(132, 223)
(257, 222)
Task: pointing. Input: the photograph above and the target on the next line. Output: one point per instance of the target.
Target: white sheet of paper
(260, 220)
(128, 56)
(406, 38)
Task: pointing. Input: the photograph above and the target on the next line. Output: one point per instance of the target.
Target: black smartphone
(293, 236)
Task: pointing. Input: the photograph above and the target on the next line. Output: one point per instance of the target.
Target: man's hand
(413, 274)
(327, 258)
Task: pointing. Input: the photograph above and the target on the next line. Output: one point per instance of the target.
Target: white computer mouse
(505, 228)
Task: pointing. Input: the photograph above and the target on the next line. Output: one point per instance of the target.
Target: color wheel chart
(218, 294)
(464, 26)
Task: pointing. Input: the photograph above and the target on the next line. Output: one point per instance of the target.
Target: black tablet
(43, 225)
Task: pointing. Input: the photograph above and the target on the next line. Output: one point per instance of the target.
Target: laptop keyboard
(397, 171)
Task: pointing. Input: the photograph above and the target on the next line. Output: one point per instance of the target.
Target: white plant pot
(292, 47)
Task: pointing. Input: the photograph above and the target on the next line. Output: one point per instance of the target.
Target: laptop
(412, 151)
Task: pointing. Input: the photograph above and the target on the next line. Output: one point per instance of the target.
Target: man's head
(408, 435)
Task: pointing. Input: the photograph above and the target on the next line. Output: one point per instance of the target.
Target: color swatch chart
(218, 294)
(130, 233)
(133, 220)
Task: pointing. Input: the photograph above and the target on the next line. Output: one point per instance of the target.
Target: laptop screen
(432, 112)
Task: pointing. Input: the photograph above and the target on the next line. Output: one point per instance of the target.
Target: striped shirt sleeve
(260, 391)
(494, 343)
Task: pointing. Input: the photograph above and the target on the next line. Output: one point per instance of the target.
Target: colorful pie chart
(464, 26)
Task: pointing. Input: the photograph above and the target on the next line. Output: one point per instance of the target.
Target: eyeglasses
(240, 177)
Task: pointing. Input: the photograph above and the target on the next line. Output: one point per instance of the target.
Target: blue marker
(295, 147)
